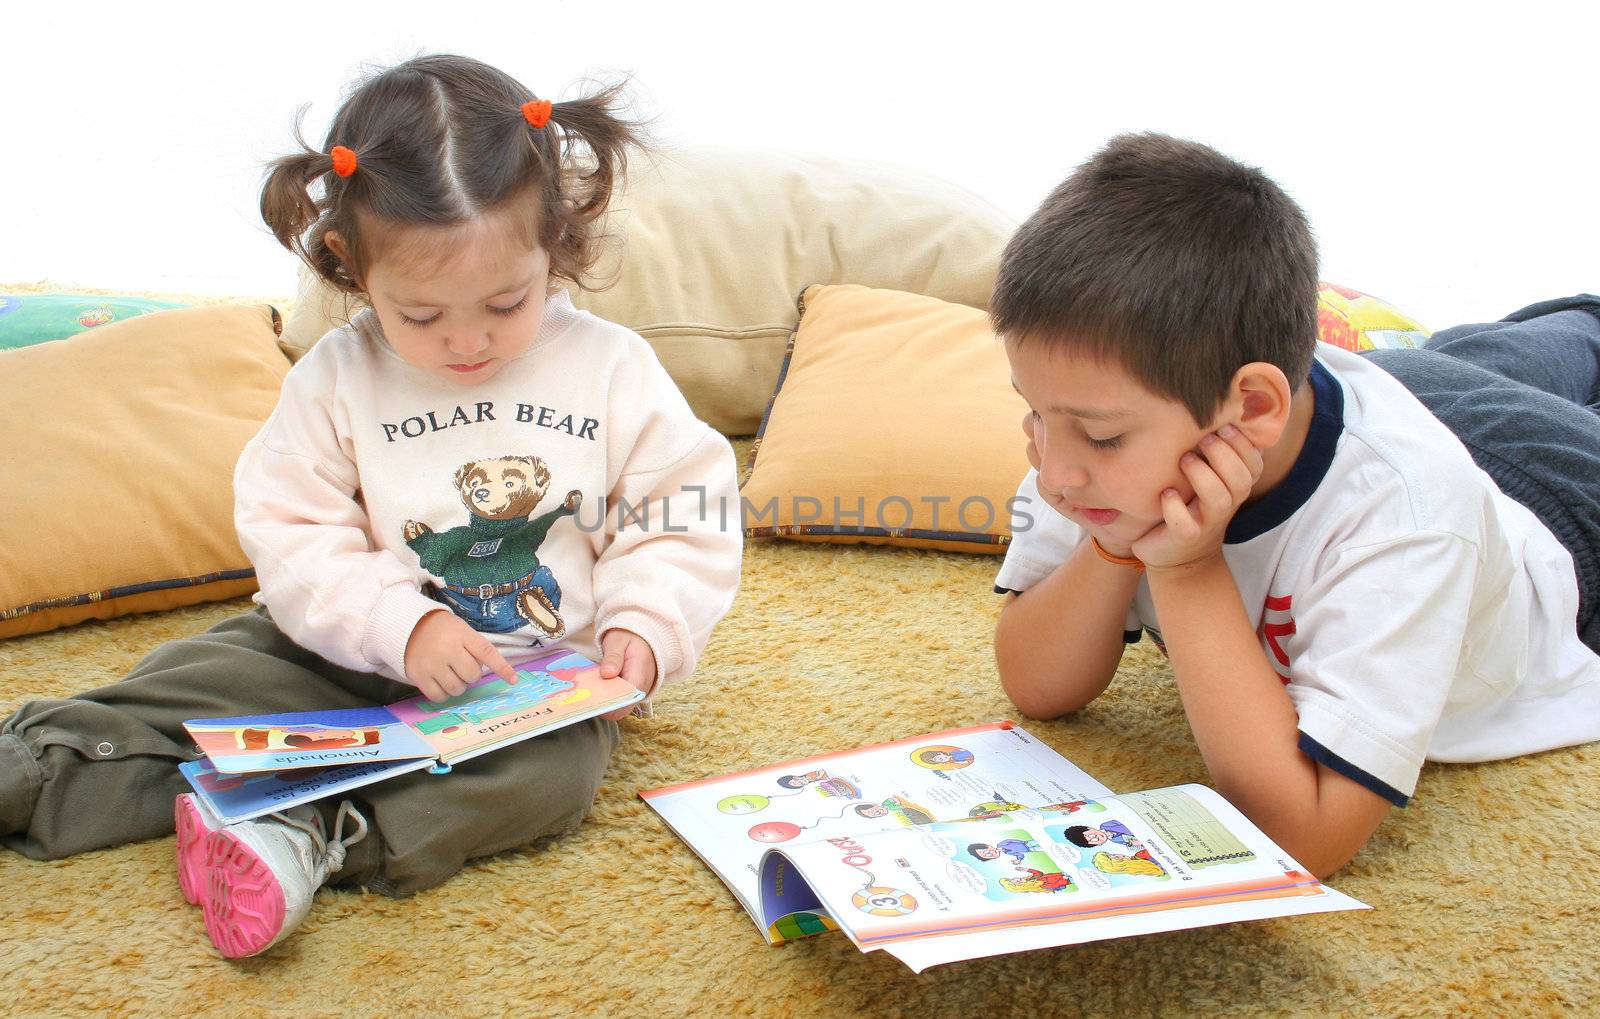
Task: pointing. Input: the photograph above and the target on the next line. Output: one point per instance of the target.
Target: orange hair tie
(537, 111)
(344, 161)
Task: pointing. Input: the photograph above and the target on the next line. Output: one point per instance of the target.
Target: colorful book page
(242, 797)
(307, 739)
(552, 689)
(1099, 860)
(732, 820)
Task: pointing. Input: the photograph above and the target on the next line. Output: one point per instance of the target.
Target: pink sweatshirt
(572, 493)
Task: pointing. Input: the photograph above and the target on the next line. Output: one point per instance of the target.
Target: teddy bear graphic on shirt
(490, 565)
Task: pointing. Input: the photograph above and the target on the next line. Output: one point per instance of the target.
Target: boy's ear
(1260, 398)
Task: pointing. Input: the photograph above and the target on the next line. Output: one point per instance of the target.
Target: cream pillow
(718, 244)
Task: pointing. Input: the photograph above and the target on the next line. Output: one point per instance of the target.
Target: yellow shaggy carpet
(1485, 890)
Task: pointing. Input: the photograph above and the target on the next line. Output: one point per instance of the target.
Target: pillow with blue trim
(118, 464)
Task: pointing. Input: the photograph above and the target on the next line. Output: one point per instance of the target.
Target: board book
(258, 764)
(976, 842)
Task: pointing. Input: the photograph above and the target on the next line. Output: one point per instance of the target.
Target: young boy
(1341, 591)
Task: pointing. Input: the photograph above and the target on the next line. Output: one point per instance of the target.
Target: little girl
(471, 467)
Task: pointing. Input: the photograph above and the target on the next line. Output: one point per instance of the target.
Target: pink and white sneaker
(195, 823)
(254, 880)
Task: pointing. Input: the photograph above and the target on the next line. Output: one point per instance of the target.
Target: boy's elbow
(1327, 840)
(1324, 865)
(1034, 707)
(1034, 695)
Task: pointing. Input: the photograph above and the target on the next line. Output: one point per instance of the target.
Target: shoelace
(332, 850)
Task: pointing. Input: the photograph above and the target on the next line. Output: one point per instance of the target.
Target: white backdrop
(1446, 156)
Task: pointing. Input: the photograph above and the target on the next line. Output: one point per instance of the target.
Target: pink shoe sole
(192, 834)
(243, 903)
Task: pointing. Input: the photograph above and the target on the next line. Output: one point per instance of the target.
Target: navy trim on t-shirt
(1310, 467)
(1005, 590)
(1328, 759)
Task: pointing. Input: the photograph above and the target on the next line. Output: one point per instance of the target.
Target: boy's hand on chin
(1222, 474)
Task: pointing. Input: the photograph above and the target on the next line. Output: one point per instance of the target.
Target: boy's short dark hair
(1173, 260)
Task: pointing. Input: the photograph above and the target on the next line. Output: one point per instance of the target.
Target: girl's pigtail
(595, 139)
(591, 142)
(297, 219)
(286, 202)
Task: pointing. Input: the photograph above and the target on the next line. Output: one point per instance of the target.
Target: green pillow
(26, 319)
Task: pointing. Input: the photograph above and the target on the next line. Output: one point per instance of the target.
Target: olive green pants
(101, 768)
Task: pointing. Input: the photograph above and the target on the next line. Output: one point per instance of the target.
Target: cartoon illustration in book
(743, 803)
(775, 831)
(490, 568)
(907, 812)
(1096, 841)
(1142, 865)
(994, 808)
(1112, 830)
(941, 758)
(232, 740)
(1038, 881)
(825, 785)
(1023, 867)
(472, 708)
(871, 897)
(881, 900)
(1014, 848)
(1073, 806)
(897, 807)
(304, 738)
(838, 787)
(801, 781)
(783, 831)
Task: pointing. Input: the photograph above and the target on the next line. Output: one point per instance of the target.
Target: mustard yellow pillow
(116, 470)
(712, 246)
(893, 422)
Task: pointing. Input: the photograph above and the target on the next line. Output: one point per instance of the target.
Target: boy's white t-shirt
(1412, 610)
(374, 485)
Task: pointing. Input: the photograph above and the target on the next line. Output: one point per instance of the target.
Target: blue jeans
(498, 613)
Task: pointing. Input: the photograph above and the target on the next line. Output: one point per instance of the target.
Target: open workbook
(978, 842)
(257, 764)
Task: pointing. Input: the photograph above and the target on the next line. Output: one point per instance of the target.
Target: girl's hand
(625, 654)
(444, 655)
(1222, 474)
